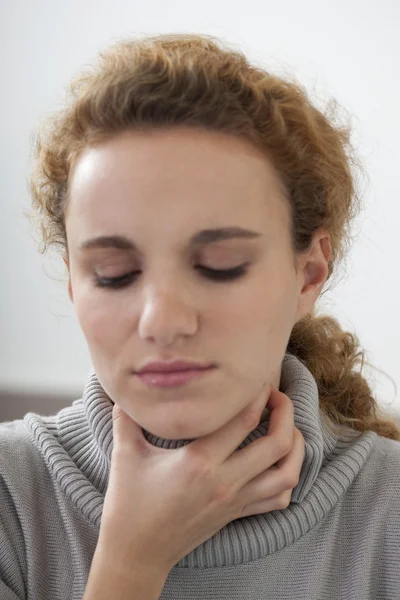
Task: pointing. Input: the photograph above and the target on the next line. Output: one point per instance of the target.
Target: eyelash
(216, 275)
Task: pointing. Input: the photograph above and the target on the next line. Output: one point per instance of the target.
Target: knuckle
(223, 493)
(289, 404)
(195, 464)
(283, 446)
(299, 442)
(291, 481)
(283, 500)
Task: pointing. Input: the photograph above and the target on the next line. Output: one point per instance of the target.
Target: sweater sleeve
(12, 549)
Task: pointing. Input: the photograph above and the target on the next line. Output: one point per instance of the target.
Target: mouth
(173, 378)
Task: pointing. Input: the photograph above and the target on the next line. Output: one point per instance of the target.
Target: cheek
(99, 316)
(260, 318)
(262, 307)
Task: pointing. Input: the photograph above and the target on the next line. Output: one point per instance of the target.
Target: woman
(201, 204)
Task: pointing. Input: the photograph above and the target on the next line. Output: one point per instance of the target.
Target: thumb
(126, 432)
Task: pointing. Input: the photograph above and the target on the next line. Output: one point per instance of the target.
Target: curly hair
(202, 81)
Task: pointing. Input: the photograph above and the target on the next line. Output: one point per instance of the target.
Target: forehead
(172, 179)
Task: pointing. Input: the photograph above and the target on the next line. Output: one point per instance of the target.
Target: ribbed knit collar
(77, 445)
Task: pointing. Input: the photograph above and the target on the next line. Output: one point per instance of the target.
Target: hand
(162, 503)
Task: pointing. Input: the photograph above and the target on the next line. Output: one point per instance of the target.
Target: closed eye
(223, 274)
(219, 275)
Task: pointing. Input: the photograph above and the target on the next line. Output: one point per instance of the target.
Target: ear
(70, 293)
(313, 270)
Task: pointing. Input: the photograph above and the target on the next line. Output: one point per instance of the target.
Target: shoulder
(13, 436)
(381, 477)
(382, 507)
(22, 466)
(387, 452)
(17, 449)
(376, 488)
(384, 463)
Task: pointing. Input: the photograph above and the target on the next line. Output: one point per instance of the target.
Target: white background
(346, 49)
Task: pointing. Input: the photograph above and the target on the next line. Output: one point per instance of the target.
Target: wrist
(128, 562)
(114, 575)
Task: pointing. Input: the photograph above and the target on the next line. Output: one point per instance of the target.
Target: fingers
(272, 490)
(218, 446)
(127, 434)
(264, 452)
(281, 423)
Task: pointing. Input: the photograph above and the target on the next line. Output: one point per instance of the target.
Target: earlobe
(316, 267)
(70, 294)
(314, 273)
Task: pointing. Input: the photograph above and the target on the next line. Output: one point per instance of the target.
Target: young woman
(225, 445)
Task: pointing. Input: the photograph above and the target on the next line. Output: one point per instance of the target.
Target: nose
(167, 315)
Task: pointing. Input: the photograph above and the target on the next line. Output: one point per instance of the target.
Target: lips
(172, 378)
(172, 367)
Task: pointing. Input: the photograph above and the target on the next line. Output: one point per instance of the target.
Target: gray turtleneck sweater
(339, 539)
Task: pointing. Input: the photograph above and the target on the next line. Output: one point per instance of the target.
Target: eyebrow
(206, 236)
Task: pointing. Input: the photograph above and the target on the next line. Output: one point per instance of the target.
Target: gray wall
(15, 406)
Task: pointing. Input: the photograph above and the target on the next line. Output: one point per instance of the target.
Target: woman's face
(158, 190)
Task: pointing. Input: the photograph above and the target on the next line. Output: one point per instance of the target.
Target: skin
(158, 188)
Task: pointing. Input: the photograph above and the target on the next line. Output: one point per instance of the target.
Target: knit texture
(338, 539)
